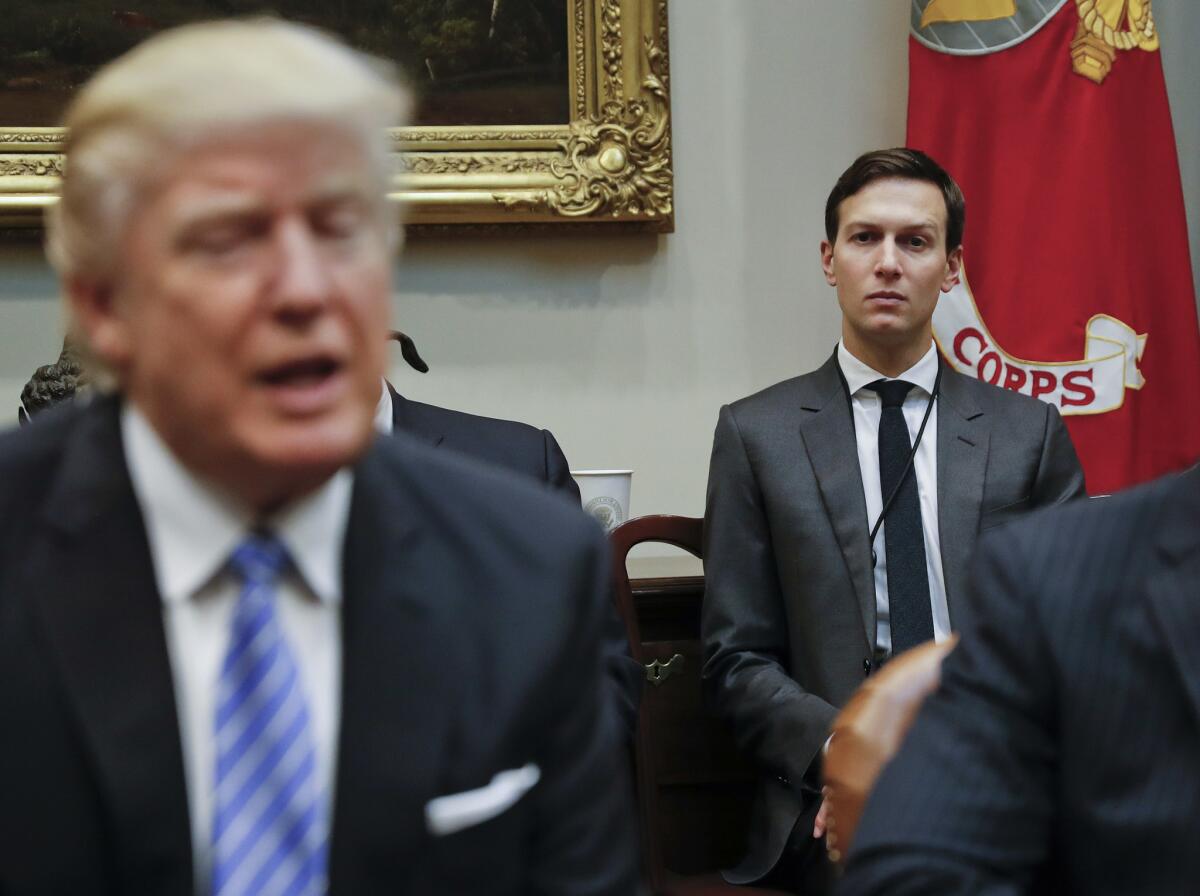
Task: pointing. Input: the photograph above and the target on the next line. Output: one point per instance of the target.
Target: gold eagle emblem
(1105, 27)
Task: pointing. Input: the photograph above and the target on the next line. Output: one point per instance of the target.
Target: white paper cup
(605, 495)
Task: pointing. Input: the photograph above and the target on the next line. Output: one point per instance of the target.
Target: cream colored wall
(625, 347)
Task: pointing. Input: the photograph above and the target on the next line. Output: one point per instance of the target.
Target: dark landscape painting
(475, 62)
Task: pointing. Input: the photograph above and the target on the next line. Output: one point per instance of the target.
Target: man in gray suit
(808, 590)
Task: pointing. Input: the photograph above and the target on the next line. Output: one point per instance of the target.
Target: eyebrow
(926, 224)
(232, 205)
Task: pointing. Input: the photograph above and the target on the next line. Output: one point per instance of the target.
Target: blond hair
(189, 84)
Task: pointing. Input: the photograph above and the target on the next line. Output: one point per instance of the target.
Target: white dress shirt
(867, 407)
(384, 421)
(192, 529)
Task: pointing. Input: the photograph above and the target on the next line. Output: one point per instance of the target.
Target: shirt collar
(858, 375)
(384, 420)
(193, 528)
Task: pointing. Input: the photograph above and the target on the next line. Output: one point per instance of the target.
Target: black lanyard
(887, 505)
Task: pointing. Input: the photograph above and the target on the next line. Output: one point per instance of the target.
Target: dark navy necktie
(904, 540)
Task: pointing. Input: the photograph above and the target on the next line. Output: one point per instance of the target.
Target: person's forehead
(272, 161)
(905, 200)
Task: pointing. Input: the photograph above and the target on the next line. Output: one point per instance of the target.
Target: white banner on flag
(1094, 385)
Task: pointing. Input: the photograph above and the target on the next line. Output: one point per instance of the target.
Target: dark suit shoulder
(470, 495)
(517, 446)
(430, 418)
(1097, 550)
(30, 454)
(1096, 525)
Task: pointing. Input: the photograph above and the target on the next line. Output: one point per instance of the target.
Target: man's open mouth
(301, 373)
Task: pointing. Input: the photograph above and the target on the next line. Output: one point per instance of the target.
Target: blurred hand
(819, 824)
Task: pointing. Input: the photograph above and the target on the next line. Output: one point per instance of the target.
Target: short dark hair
(911, 164)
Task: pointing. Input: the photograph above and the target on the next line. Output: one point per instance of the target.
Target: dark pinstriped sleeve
(969, 790)
(1041, 686)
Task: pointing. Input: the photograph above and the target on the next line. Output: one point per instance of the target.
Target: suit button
(866, 667)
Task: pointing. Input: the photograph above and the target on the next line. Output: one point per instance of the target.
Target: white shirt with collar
(192, 530)
(384, 419)
(867, 408)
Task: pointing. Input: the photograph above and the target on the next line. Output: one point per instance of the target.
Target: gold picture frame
(611, 163)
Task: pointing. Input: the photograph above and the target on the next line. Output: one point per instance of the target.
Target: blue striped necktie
(269, 832)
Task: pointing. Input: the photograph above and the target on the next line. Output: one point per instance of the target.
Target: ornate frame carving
(611, 163)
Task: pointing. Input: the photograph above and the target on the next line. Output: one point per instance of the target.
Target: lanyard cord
(887, 505)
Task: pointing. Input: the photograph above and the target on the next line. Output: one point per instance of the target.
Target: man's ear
(827, 262)
(953, 269)
(99, 319)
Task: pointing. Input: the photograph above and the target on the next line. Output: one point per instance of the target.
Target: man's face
(889, 264)
(247, 316)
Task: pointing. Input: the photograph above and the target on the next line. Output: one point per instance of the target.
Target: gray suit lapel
(962, 453)
(1173, 588)
(827, 429)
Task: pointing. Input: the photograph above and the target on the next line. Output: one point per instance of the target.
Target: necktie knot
(891, 392)
(258, 560)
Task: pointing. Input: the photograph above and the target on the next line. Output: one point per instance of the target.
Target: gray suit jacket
(789, 610)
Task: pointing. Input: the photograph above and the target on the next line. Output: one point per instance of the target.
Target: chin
(318, 447)
(889, 331)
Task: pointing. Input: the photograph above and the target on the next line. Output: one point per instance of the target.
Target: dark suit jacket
(1062, 752)
(789, 610)
(470, 646)
(515, 446)
(531, 452)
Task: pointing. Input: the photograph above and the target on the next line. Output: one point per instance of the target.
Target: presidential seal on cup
(604, 495)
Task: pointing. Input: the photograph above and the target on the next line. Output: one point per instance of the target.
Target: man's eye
(863, 237)
(218, 243)
(339, 223)
(223, 240)
(917, 242)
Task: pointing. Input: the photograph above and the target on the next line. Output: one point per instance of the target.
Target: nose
(302, 279)
(888, 263)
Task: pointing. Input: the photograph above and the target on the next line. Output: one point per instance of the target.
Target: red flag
(1053, 118)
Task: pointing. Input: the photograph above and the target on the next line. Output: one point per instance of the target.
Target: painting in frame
(533, 112)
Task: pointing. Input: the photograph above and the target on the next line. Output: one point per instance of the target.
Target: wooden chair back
(694, 791)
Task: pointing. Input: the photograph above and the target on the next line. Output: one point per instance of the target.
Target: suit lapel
(827, 429)
(1173, 587)
(398, 641)
(404, 420)
(106, 631)
(962, 453)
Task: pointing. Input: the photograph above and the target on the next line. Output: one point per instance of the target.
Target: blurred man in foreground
(245, 648)
(1062, 751)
